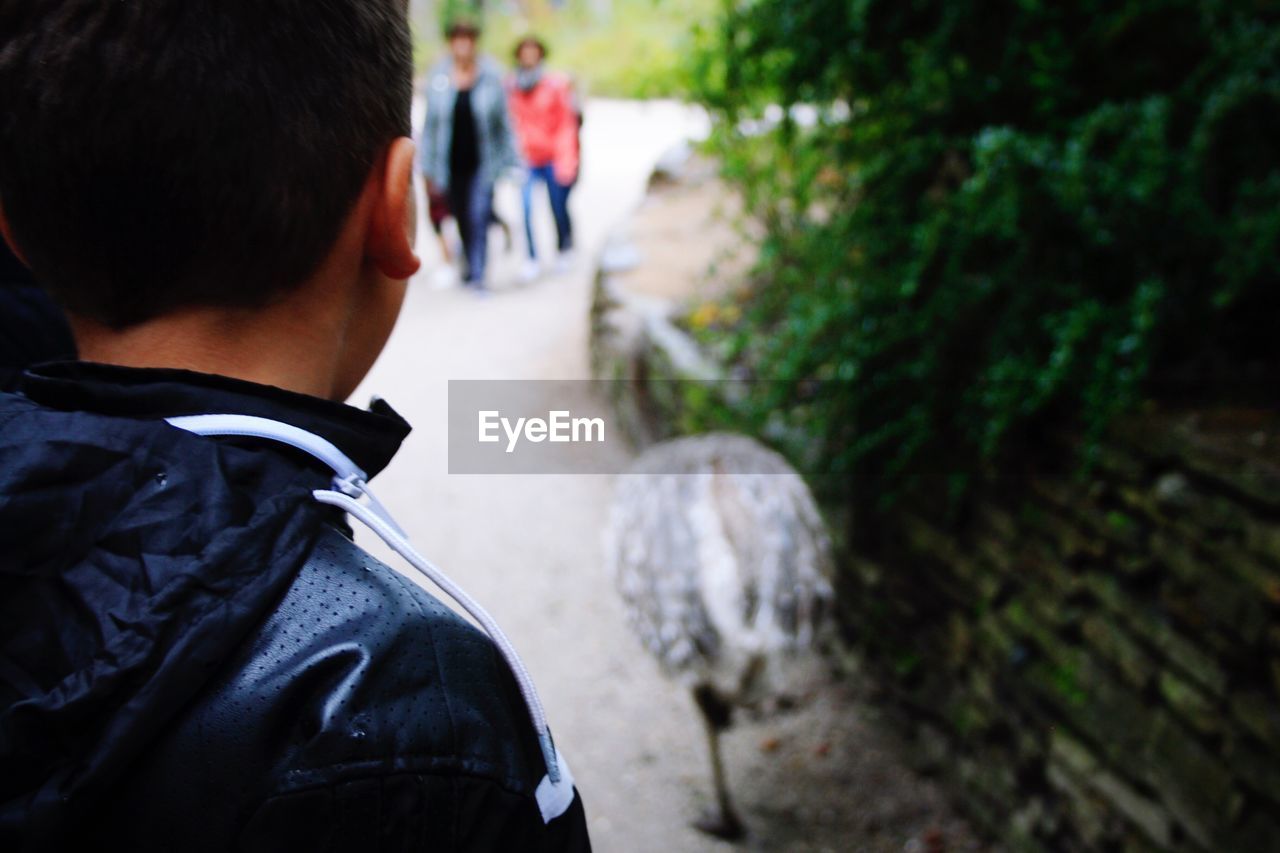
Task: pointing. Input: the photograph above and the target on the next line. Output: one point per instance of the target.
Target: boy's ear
(393, 222)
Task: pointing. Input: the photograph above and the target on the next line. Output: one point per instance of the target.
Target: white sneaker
(530, 271)
(566, 261)
(444, 277)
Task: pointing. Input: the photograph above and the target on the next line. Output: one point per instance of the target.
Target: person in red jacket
(545, 114)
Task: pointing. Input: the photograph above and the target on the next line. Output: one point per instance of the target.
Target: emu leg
(716, 713)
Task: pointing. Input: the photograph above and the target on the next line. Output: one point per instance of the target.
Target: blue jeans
(559, 195)
(471, 202)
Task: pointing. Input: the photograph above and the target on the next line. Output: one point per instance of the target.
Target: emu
(723, 564)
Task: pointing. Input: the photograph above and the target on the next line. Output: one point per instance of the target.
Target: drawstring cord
(349, 485)
(402, 547)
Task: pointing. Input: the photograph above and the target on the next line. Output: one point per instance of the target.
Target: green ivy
(998, 216)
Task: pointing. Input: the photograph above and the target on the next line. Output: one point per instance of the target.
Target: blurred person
(467, 140)
(547, 121)
(194, 654)
(438, 213)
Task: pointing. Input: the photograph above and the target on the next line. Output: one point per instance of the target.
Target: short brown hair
(533, 40)
(462, 28)
(157, 154)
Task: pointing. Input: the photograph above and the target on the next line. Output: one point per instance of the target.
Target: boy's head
(157, 155)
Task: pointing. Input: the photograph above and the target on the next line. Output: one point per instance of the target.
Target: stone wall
(1091, 664)
(1095, 665)
(635, 344)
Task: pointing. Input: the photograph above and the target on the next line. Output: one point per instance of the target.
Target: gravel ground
(528, 547)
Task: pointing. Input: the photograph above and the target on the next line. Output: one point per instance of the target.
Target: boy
(193, 653)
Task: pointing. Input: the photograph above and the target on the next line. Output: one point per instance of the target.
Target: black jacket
(195, 656)
(32, 328)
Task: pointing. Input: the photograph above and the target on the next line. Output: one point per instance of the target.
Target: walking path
(528, 548)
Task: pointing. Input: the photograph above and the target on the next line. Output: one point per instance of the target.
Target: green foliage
(990, 216)
(638, 50)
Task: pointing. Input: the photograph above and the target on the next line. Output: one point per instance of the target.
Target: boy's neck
(255, 346)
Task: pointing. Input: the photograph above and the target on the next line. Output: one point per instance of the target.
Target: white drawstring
(402, 547)
(348, 477)
(349, 484)
(254, 427)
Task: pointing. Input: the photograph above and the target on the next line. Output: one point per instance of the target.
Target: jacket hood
(134, 558)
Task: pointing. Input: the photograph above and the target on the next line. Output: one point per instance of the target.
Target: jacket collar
(370, 437)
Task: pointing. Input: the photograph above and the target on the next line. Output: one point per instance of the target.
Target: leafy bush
(985, 217)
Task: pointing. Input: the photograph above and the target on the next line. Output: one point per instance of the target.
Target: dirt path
(528, 547)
